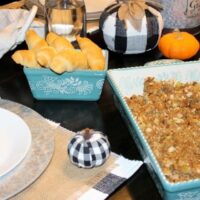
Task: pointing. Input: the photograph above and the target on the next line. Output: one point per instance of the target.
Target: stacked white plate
(15, 141)
(26, 147)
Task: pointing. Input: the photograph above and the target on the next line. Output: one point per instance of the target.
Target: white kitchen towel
(13, 26)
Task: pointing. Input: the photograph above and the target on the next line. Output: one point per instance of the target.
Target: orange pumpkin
(178, 45)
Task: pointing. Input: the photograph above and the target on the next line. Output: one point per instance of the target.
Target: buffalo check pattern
(88, 154)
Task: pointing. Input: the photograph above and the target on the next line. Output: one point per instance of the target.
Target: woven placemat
(62, 180)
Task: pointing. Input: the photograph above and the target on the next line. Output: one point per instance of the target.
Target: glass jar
(181, 14)
(65, 17)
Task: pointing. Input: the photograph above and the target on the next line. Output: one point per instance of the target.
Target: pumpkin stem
(87, 133)
(178, 34)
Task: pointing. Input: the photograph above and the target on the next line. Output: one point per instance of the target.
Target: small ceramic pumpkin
(178, 45)
(88, 148)
(122, 37)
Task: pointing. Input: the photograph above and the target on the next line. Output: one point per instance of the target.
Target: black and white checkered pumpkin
(88, 148)
(128, 40)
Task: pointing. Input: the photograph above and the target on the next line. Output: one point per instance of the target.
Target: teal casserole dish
(128, 81)
(81, 85)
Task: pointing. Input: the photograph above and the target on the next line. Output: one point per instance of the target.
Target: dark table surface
(76, 115)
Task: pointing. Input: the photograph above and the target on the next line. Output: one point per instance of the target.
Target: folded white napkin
(13, 25)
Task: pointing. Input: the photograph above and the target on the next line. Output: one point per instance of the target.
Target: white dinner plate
(15, 141)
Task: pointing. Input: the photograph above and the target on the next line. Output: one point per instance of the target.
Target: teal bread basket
(83, 85)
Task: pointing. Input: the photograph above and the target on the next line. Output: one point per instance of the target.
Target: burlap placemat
(61, 179)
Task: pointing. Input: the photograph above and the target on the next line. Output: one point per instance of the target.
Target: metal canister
(181, 14)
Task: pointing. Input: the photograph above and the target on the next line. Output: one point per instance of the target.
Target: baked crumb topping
(168, 114)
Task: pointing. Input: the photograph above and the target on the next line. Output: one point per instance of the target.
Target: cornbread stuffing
(168, 114)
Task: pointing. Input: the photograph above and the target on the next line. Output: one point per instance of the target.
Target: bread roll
(45, 55)
(51, 37)
(68, 60)
(93, 52)
(58, 42)
(34, 41)
(26, 58)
